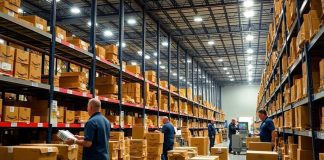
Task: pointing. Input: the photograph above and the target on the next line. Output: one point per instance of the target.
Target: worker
(232, 128)
(211, 133)
(169, 133)
(96, 134)
(267, 128)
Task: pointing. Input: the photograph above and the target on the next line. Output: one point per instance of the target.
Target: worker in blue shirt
(267, 128)
(169, 133)
(96, 134)
(211, 133)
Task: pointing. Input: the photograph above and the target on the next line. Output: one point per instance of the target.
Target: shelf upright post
(143, 59)
(186, 73)
(192, 86)
(51, 71)
(169, 74)
(198, 93)
(92, 77)
(120, 56)
(158, 69)
(178, 79)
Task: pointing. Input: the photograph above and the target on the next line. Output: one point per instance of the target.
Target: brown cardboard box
(65, 152)
(139, 132)
(292, 150)
(304, 154)
(60, 33)
(260, 146)
(116, 136)
(21, 64)
(8, 12)
(107, 89)
(81, 116)
(151, 76)
(222, 152)
(24, 114)
(35, 67)
(35, 119)
(113, 145)
(178, 155)
(251, 139)
(302, 116)
(29, 153)
(101, 52)
(7, 56)
(305, 143)
(164, 84)
(36, 21)
(154, 138)
(133, 69)
(157, 149)
(321, 156)
(107, 80)
(60, 114)
(261, 155)
(202, 143)
(303, 34)
(69, 116)
(128, 120)
(315, 76)
(8, 5)
(205, 158)
(111, 49)
(78, 43)
(113, 58)
(10, 114)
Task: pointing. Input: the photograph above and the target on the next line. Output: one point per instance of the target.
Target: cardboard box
(107, 89)
(202, 143)
(1, 109)
(260, 146)
(154, 138)
(292, 150)
(81, 116)
(302, 115)
(78, 43)
(251, 139)
(35, 67)
(116, 136)
(69, 116)
(222, 152)
(133, 69)
(113, 145)
(28, 153)
(304, 154)
(60, 114)
(305, 143)
(35, 119)
(65, 152)
(321, 156)
(155, 150)
(205, 158)
(164, 84)
(10, 114)
(315, 76)
(38, 22)
(8, 5)
(261, 155)
(21, 64)
(8, 12)
(107, 80)
(113, 58)
(111, 49)
(101, 52)
(139, 132)
(178, 155)
(24, 114)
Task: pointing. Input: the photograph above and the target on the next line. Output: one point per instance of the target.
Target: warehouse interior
(225, 79)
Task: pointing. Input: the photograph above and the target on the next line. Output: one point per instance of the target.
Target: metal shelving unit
(302, 7)
(12, 29)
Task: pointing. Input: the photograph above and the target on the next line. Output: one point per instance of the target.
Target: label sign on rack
(69, 91)
(54, 125)
(82, 125)
(84, 94)
(67, 125)
(13, 124)
(39, 124)
(34, 84)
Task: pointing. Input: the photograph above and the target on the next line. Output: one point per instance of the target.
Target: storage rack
(20, 33)
(308, 52)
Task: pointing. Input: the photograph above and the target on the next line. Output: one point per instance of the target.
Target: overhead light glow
(180, 77)
(250, 83)
(249, 51)
(248, 3)
(250, 73)
(197, 19)
(51, 0)
(230, 76)
(250, 58)
(225, 69)
(174, 74)
(220, 60)
(249, 37)
(133, 63)
(211, 42)
(249, 13)
(232, 79)
(250, 79)
(89, 24)
(165, 43)
(155, 54)
(123, 44)
(250, 66)
(162, 67)
(108, 33)
(2, 41)
(131, 21)
(20, 10)
(147, 57)
(75, 10)
(189, 60)
(227, 72)
(156, 62)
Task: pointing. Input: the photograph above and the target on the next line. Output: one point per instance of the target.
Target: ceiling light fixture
(165, 43)
(230, 76)
(123, 44)
(139, 53)
(220, 60)
(89, 24)
(108, 33)
(249, 51)
(250, 58)
(227, 72)
(250, 79)
(225, 69)
(147, 57)
(248, 3)
(180, 77)
(249, 37)
(197, 19)
(162, 67)
(155, 54)
(20, 10)
(131, 21)
(75, 10)
(249, 13)
(189, 60)
(174, 74)
(232, 79)
(211, 42)
(250, 66)
(2, 41)
(133, 63)
(250, 73)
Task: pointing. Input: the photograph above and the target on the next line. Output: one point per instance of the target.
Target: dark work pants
(167, 146)
(230, 144)
(211, 142)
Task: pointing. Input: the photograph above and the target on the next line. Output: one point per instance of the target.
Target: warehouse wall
(239, 101)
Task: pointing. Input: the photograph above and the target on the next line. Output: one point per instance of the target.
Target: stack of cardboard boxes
(222, 152)
(258, 155)
(65, 152)
(305, 148)
(132, 92)
(260, 146)
(138, 145)
(135, 69)
(192, 151)
(28, 152)
(321, 68)
(154, 145)
(150, 76)
(202, 143)
(302, 117)
(16, 114)
(119, 146)
(112, 54)
(178, 155)
(74, 80)
(106, 86)
(10, 7)
(186, 134)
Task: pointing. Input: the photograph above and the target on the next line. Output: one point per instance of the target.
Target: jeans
(211, 142)
(230, 143)
(167, 147)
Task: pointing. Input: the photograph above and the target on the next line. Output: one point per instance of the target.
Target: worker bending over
(211, 133)
(267, 128)
(169, 133)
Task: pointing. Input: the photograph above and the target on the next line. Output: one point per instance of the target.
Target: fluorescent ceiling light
(131, 21)
(133, 63)
(230, 76)
(165, 43)
(123, 44)
(2, 41)
(162, 67)
(189, 60)
(211, 42)
(147, 57)
(75, 10)
(250, 66)
(180, 77)
(156, 62)
(220, 60)
(249, 51)
(248, 3)
(139, 53)
(250, 79)
(249, 37)
(51, 1)
(197, 19)
(250, 58)
(250, 73)
(155, 54)
(225, 69)
(232, 79)
(174, 74)
(212, 86)
(89, 23)
(227, 72)
(20, 10)
(249, 13)
(108, 33)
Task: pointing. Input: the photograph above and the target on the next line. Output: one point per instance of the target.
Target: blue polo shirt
(169, 132)
(266, 129)
(211, 130)
(96, 130)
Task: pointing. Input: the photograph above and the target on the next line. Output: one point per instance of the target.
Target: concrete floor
(232, 156)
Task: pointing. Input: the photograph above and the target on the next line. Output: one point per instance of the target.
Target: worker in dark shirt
(169, 133)
(267, 128)
(232, 128)
(96, 134)
(211, 133)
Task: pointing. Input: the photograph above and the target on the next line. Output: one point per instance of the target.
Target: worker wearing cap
(169, 133)
(96, 134)
(232, 128)
(211, 133)
(267, 128)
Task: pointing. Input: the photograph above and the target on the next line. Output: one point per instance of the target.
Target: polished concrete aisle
(232, 156)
